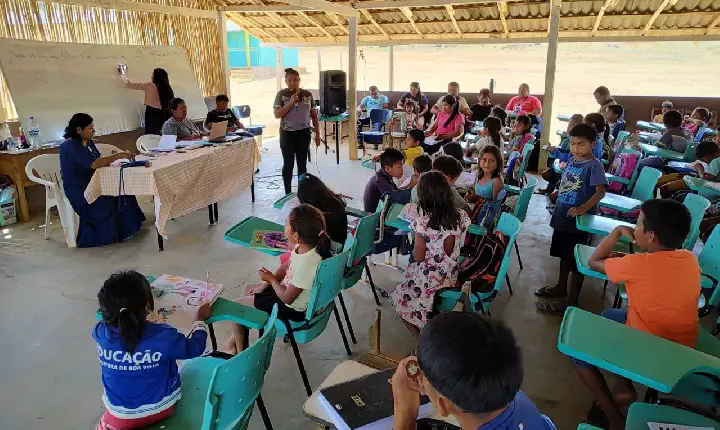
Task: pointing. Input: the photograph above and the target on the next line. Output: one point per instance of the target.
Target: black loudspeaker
(333, 92)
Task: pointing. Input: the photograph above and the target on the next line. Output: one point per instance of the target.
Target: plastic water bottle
(33, 133)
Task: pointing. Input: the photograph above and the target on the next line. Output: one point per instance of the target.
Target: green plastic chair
(521, 208)
(659, 364)
(709, 260)
(640, 414)
(327, 286)
(527, 150)
(697, 205)
(643, 190)
(360, 248)
(509, 226)
(242, 233)
(219, 393)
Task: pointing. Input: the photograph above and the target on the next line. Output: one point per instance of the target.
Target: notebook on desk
(365, 403)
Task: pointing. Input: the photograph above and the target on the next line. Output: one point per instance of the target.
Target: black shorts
(268, 298)
(563, 245)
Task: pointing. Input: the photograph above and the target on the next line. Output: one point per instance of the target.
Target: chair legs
(47, 221)
(507, 279)
(617, 301)
(605, 287)
(347, 318)
(263, 412)
(372, 284)
(342, 331)
(296, 351)
(517, 251)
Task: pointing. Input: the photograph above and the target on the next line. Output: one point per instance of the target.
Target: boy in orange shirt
(663, 288)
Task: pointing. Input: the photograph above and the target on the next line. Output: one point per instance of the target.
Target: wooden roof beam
(284, 22)
(381, 4)
(713, 24)
(324, 6)
(451, 13)
(655, 15)
(370, 18)
(408, 14)
(334, 18)
(503, 10)
(607, 4)
(142, 7)
(251, 26)
(316, 24)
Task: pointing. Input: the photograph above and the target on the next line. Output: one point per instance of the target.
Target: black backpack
(483, 262)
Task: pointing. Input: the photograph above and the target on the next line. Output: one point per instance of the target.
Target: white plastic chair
(146, 142)
(107, 150)
(45, 169)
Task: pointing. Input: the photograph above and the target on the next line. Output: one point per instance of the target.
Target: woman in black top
(295, 108)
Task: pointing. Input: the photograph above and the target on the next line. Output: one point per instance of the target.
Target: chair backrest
(364, 237)
(701, 134)
(523, 201)
(209, 102)
(380, 116)
(146, 142)
(697, 205)
(645, 186)
(328, 283)
(709, 261)
(509, 226)
(622, 137)
(106, 149)
(527, 150)
(242, 111)
(689, 154)
(44, 169)
(236, 383)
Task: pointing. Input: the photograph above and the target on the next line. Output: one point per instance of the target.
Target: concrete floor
(49, 374)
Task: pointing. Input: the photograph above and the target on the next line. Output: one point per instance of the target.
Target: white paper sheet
(167, 141)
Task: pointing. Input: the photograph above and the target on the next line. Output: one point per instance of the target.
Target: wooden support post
(550, 79)
(391, 64)
(248, 60)
(319, 57)
(224, 60)
(278, 68)
(352, 87)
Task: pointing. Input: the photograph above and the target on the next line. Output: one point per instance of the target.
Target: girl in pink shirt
(447, 126)
(158, 94)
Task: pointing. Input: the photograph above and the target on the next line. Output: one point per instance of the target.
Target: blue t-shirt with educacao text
(577, 186)
(371, 103)
(520, 414)
(145, 381)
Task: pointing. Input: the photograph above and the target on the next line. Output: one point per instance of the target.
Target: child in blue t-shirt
(138, 357)
(597, 121)
(581, 188)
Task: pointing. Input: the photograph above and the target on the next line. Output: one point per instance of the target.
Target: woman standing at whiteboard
(295, 108)
(79, 157)
(158, 94)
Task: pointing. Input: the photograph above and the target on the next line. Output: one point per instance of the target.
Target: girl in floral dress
(439, 234)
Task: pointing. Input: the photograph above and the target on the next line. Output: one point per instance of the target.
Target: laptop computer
(218, 131)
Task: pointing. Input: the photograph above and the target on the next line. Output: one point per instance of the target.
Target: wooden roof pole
(316, 24)
(655, 15)
(370, 18)
(352, 88)
(408, 14)
(607, 4)
(334, 18)
(451, 13)
(550, 66)
(503, 10)
(713, 24)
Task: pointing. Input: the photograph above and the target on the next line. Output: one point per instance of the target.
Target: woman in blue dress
(79, 157)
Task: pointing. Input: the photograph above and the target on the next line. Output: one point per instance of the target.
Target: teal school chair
(527, 150)
(709, 261)
(697, 205)
(242, 233)
(218, 392)
(640, 414)
(643, 190)
(682, 372)
(327, 286)
(509, 226)
(521, 208)
(627, 183)
(357, 262)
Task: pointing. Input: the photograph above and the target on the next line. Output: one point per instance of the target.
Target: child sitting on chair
(391, 168)
(707, 154)
(420, 165)
(291, 285)
(597, 121)
(581, 188)
(407, 119)
(490, 135)
(138, 358)
(562, 153)
(451, 170)
(470, 367)
(439, 233)
(615, 120)
(489, 176)
(663, 291)
(699, 119)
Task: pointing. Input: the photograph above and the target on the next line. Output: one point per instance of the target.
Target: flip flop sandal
(551, 308)
(546, 291)
(541, 192)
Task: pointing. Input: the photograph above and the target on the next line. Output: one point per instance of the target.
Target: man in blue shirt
(374, 101)
(470, 367)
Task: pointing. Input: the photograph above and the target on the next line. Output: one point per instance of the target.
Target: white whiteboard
(53, 81)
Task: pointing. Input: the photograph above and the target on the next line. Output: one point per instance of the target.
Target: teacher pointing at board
(295, 108)
(158, 94)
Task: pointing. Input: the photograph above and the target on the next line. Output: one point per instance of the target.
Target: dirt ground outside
(657, 68)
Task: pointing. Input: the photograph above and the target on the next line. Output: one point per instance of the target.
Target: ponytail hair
(451, 100)
(493, 125)
(291, 72)
(125, 301)
(309, 224)
(597, 121)
(165, 92)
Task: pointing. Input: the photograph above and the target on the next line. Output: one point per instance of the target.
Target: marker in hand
(122, 68)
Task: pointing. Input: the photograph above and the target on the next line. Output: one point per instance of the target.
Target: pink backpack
(623, 166)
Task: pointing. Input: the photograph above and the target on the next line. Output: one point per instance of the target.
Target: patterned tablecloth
(182, 182)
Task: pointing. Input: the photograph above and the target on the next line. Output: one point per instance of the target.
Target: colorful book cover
(177, 299)
(268, 239)
(409, 213)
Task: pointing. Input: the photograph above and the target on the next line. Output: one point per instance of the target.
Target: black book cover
(364, 401)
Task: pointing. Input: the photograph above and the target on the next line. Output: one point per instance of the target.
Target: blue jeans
(617, 315)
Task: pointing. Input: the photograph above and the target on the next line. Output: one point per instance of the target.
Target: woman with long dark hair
(158, 94)
(419, 100)
(79, 158)
(295, 108)
(448, 125)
